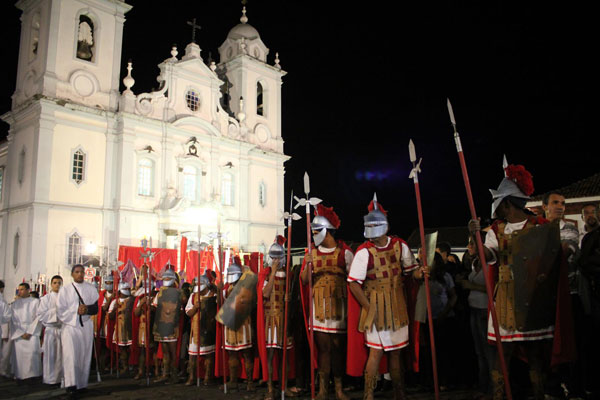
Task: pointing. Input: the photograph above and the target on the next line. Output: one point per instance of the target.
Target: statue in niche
(85, 39)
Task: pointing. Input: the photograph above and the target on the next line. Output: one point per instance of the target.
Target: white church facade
(87, 168)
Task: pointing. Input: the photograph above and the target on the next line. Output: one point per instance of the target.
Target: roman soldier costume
(380, 271)
(532, 285)
(140, 327)
(166, 327)
(120, 310)
(330, 265)
(202, 342)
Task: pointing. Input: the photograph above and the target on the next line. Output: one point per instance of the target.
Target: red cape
(563, 343)
(306, 302)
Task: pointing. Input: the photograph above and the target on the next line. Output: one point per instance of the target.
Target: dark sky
(363, 79)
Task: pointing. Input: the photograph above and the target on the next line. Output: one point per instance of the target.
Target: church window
(78, 167)
(262, 194)
(227, 189)
(86, 43)
(192, 99)
(190, 183)
(145, 177)
(260, 110)
(21, 167)
(74, 249)
(16, 250)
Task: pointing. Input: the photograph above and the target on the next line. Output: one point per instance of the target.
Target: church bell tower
(71, 50)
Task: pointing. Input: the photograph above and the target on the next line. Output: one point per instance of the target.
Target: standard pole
(286, 299)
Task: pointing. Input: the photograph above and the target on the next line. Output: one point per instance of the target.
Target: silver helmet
(204, 283)
(125, 288)
(108, 283)
(320, 224)
(277, 251)
(376, 223)
(234, 272)
(169, 277)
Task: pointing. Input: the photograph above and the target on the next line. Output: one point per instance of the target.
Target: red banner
(161, 257)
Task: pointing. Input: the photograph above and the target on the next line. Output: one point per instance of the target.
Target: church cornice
(253, 64)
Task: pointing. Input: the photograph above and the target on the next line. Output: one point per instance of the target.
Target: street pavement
(127, 388)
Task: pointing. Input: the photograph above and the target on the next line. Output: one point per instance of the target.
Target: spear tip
(450, 111)
(411, 151)
(306, 183)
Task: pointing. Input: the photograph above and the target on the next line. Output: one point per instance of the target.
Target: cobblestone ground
(127, 388)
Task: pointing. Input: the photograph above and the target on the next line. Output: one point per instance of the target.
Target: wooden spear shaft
(286, 299)
(426, 277)
(481, 253)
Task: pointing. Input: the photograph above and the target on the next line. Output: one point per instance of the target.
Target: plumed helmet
(517, 182)
(376, 222)
(325, 218)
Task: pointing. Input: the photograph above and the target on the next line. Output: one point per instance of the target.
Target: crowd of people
(363, 313)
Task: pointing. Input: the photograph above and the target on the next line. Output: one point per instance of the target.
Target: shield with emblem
(536, 267)
(166, 321)
(240, 303)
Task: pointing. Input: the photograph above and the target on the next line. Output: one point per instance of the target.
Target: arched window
(190, 183)
(260, 106)
(78, 166)
(86, 41)
(227, 189)
(74, 250)
(145, 177)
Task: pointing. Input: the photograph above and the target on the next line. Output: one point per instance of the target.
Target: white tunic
(5, 316)
(26, 353)
(77, 340)
(51, 347)
(491, 242)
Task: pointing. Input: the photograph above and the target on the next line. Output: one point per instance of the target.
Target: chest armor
(329, 286)
(385, 291)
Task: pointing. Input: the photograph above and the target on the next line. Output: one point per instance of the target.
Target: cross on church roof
(192, 23)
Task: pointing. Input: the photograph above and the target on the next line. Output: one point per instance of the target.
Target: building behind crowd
(88, 167)
(577, 195)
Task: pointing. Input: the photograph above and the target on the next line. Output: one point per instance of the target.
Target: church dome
(243, 30)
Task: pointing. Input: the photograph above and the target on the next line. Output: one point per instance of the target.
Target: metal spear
(198, 311)
(308, 201)
(414, 174)
(289, 216)
(481, 252)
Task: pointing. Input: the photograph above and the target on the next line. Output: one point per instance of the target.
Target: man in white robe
(25, 334)
(5, 316)
(77, 302)
(51, 347)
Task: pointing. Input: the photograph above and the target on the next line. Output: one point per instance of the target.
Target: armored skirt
(379, 271)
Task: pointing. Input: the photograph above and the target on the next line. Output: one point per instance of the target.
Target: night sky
(364, 79)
